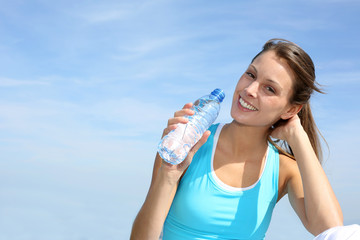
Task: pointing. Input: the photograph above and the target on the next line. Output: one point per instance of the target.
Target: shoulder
(288, 170)
(287, 164)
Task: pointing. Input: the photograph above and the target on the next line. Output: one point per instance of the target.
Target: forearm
(150, 219)
(321, 206)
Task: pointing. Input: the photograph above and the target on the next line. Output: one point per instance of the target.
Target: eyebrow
(268, 80)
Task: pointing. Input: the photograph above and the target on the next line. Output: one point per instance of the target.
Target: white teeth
(245, 105)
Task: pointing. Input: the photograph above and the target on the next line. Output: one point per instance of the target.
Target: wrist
(295, 135)
(168, 176)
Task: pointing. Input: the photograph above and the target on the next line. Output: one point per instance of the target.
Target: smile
(246, 105)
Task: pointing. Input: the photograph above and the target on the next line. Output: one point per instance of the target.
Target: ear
(292, 111)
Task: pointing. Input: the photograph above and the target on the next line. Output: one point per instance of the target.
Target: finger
(173, 124)
(188, 105)
(184, 112)
(176, 120)
(169, 129)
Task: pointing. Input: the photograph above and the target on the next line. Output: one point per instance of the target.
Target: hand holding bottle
(179, 117)
(175, 171)
(175, 146)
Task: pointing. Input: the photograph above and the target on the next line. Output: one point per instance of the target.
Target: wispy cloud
(341, 77)
(141, 47)
(102, 16)
(132, 114)
(10, 82)
(109, 11)
(304, 24)
(87, 87)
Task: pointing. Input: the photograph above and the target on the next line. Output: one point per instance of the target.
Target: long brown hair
(305, 84)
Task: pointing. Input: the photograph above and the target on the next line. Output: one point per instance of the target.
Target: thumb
(201, 142)
(197, 146)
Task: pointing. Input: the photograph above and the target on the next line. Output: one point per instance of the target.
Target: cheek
(242, 81)
(276, 109)
(235, 95)
(241, 84)
(233, 107)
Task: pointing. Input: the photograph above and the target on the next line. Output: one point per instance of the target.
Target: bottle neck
(215, 97)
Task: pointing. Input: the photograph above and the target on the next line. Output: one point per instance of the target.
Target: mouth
(247, 105)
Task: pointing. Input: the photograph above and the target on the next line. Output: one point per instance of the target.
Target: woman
(235, 179)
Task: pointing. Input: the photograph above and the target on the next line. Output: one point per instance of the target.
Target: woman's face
(263, 92)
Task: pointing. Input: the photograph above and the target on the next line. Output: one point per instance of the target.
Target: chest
(245, 175)
(203, 204)
(235, 172)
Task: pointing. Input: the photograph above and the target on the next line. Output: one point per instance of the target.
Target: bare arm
(310, 192)
(150, 219)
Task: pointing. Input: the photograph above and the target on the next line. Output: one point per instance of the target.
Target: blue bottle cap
(219, 94)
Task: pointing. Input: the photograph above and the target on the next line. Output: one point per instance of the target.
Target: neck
(245, 142)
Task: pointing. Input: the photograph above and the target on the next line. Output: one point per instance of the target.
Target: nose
(252, 89)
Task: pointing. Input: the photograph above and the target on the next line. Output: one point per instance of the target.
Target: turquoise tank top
(206, 208)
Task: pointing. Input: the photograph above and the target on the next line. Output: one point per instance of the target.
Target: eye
(270, 89)
(250, 75)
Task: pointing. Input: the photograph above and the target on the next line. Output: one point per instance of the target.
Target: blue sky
(86, 88)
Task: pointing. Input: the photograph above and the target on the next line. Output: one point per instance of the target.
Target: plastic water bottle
(175, 146)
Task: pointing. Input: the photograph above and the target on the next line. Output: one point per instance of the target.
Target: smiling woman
(237, 173)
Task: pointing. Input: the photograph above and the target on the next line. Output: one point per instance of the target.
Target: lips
(247, 105)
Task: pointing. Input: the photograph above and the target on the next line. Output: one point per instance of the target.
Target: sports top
(206, 208)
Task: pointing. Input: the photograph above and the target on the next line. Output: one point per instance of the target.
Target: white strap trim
(218, 180)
